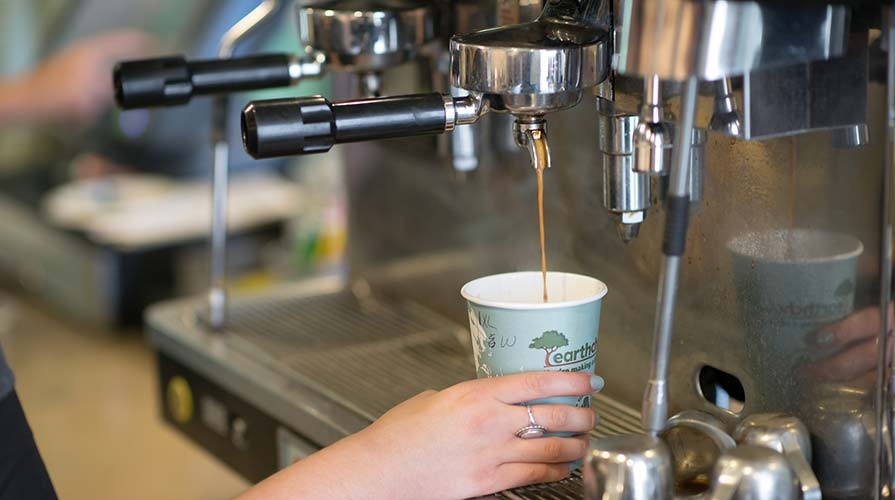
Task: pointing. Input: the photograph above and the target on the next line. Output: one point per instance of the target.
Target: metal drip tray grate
(364, 354)
(359, 355)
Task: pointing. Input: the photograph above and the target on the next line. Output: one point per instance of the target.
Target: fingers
(527, 386)
(548, 450)
(556, 418)
(515, 474)
(847, 365)
(860, 325)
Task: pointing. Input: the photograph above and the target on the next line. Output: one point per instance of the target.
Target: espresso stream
(540, 172)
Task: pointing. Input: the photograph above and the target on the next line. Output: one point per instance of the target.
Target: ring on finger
(532, 430)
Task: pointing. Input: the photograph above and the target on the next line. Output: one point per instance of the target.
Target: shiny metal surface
(676, 39)
(489, 222)
(726, 118)
(630, 467)
(532, 68)
(464, 142)
(626, 193)
(797, 98)
(653, 137)
(306, 67)
(843, 428)
(696, 182)
(531, 135)
(655, 397)
(366, 35)
(217, 295)
(753, 473)
(696, 440)
(787, 435)
(853, 136)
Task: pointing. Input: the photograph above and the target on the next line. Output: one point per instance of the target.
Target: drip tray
(327, 363)
(364, 354)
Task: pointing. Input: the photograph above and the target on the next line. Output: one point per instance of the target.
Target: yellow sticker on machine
(180, 399)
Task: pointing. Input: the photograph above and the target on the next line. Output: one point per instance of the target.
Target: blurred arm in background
(73, 86)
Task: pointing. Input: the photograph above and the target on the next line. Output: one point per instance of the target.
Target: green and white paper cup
(513, 330)
(790, 284)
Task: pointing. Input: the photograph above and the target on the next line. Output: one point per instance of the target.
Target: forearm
(21, 104)
(350, 469)
(14, 101)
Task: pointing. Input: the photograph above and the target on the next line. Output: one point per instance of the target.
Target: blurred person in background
(71, 88)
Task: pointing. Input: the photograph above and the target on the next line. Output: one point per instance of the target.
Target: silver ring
(532, 430)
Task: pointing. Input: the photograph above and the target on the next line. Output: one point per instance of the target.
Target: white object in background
(134, 211)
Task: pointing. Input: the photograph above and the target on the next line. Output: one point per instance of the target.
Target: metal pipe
(655, 398)
(652, 99)
(217, 295)
(653, 136)
(883, 476)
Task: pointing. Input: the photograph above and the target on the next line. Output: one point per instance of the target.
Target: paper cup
(790, 284)
(513, 330)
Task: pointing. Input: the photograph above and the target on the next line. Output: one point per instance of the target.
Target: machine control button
(180, 399)
(214, 415)
(239, 433)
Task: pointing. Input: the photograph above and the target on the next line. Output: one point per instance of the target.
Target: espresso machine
(724, 166)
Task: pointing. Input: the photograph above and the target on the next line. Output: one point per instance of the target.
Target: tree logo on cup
(552, 340)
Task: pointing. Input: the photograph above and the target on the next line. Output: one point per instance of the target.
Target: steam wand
(655, 398)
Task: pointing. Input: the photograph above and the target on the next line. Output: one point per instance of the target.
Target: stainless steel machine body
(800, 178)
(787, 92)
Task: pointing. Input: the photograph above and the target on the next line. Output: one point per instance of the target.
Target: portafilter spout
(530, 133)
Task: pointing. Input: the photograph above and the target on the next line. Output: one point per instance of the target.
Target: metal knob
(753, 473)
(842, 427)
(630, 467)
(787, 435)
(366, 35)
(726, 118)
